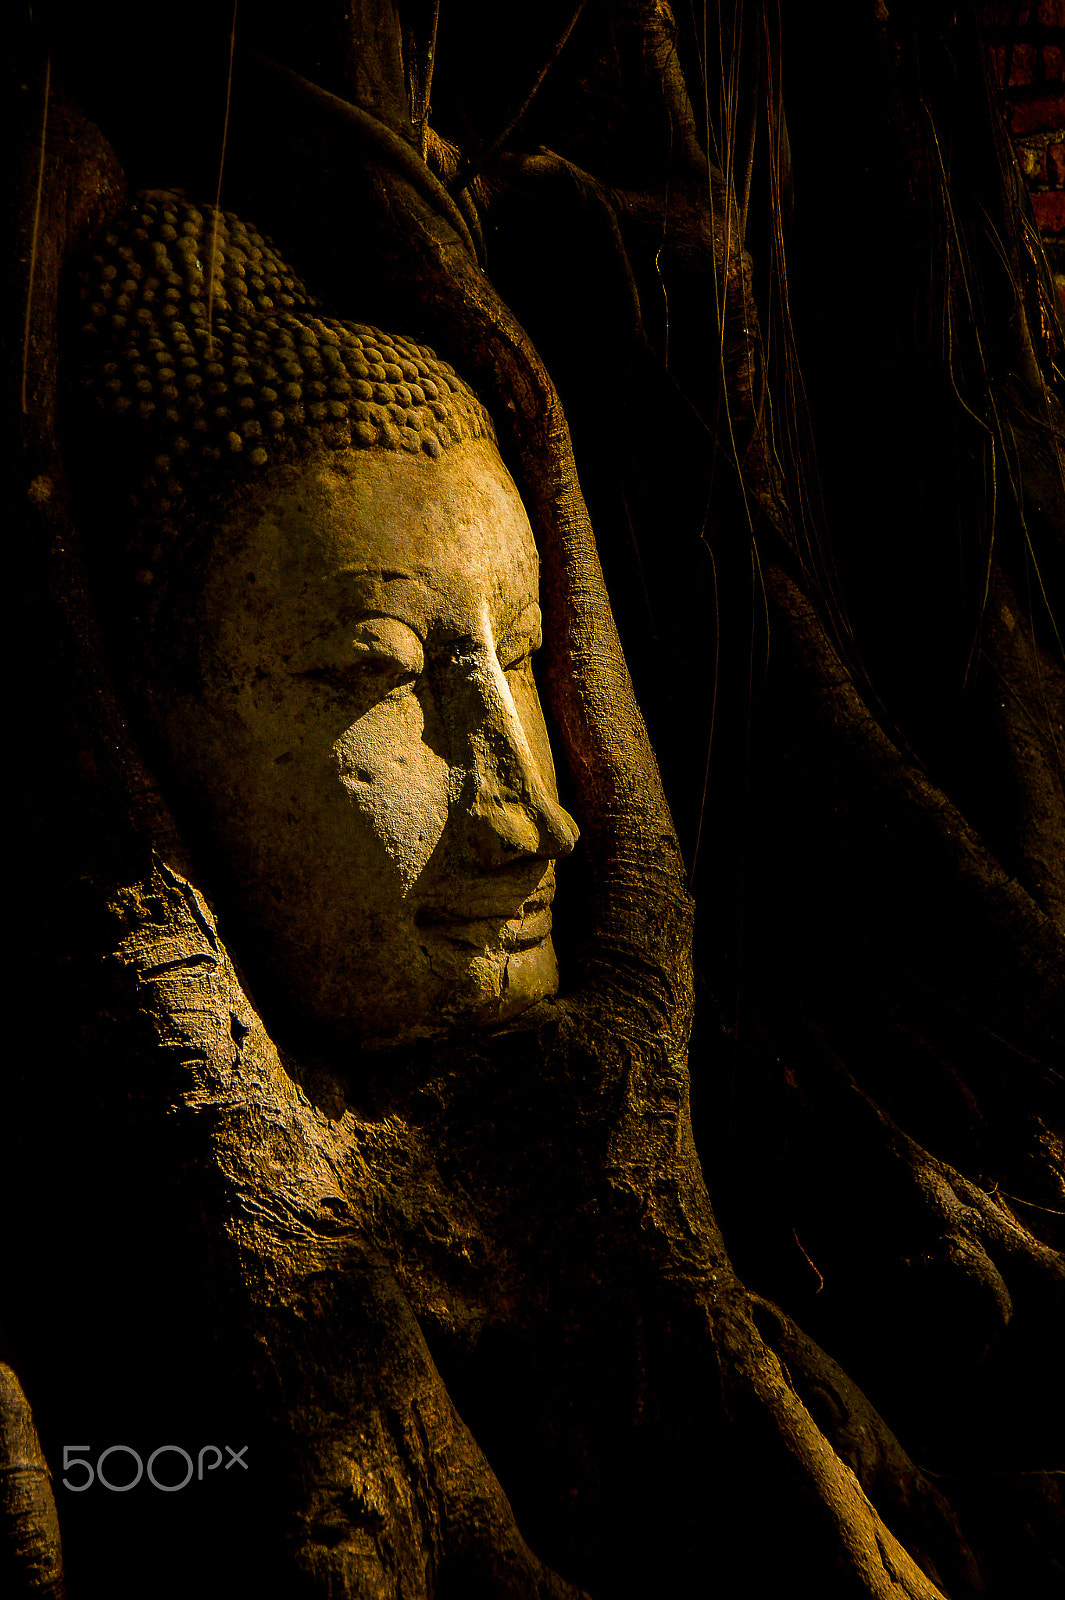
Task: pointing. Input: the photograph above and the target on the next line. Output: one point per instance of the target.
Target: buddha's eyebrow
(360, 591)
(388, 574)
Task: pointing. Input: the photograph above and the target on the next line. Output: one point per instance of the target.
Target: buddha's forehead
(456, 519)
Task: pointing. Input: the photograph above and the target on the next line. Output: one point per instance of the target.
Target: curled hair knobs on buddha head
(207, 360)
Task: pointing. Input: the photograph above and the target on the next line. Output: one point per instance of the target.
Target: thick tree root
(31, 1557)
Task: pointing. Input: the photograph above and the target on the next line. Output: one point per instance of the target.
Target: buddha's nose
(510, 806)
(509, 820)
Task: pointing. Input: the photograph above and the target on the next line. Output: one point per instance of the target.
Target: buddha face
(366, 741)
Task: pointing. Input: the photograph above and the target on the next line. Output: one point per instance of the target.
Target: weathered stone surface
(351, 703)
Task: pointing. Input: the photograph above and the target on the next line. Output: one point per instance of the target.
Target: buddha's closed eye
(375, 657)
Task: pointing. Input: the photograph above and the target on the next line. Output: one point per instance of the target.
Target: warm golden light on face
(369, 744)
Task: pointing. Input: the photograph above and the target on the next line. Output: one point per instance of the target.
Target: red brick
(1045, 115)
(1056, 165)
(1005, 14)
(1022, 64)
(1050, 210)
(1053, 63)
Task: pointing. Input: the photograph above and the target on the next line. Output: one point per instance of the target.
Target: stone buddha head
(336, 615)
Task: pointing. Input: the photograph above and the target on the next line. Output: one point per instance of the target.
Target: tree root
(31, 1557)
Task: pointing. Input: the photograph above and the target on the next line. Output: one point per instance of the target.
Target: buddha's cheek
(398, 787)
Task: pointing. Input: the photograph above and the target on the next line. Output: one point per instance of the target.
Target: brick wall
(1026, 40)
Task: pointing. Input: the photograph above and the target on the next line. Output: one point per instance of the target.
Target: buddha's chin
(503, 984)
(468, 990)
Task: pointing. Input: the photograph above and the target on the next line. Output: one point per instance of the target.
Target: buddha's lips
(485, 920)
